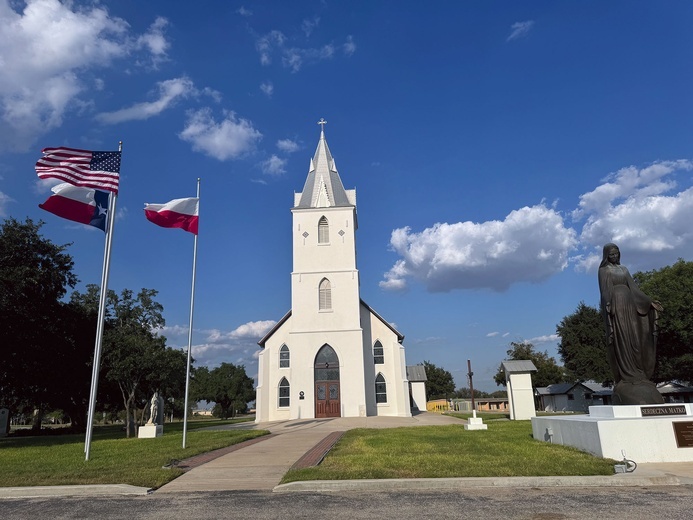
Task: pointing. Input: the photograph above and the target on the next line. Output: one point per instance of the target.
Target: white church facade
(331, 355)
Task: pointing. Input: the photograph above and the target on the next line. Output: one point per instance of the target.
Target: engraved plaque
(654, 411)
(683, 431)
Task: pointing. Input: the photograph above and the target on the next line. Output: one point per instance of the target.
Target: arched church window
(325, 295)
(378, 354)
(323, 231)
(380, 389)
(284, 393)
(326, 366)
(284, 357)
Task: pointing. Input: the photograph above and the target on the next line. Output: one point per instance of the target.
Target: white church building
(331, 355)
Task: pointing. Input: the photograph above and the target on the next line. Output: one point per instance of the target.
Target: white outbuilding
(331, 355)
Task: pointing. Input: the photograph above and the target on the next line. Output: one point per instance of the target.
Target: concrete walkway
(262, 465)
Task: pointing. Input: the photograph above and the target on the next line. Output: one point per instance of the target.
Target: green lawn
(59, 460)
(505, 449)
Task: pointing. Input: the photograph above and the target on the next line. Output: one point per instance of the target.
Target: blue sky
(494, 146)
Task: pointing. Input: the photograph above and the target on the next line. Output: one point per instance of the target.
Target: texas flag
(78, 204)
(179, 213)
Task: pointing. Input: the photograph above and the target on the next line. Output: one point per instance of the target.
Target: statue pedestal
(644, 433)
(475, 423)
(150, 431)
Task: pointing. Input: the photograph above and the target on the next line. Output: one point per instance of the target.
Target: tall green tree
(548, 372)
(135, 358)
(35, 274)
(582, 347)
(226, 385)
(673, 287)
(440, 383)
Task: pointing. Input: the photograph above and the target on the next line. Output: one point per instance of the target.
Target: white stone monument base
(150, 431)
(475, 423)
(612, 431)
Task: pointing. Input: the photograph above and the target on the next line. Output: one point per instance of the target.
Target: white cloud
(274, 166)
(520, 29)
(287, 145)
(48, 51)
(530, 245)
(307, 26)
(267, 88)
(155, 41)
(643, 210)
(349, 47)
(4, 202)
(492, 334)
(239, 345)
(169, 92)
(244, 12)
(548, 338)
(639, 209)
(229, 139)
(275, 43)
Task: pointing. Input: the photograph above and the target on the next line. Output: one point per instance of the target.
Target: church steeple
(323, 188)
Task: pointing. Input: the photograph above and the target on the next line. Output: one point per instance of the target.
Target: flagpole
(190, 331)
(101, 318)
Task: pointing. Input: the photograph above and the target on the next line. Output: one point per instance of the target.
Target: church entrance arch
(327, 391)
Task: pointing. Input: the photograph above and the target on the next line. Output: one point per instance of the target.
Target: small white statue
(154, 409)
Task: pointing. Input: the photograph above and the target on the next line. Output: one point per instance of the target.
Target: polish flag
(84, 205)
(179, 213)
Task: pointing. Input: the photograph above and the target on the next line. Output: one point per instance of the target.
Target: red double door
(327, 399)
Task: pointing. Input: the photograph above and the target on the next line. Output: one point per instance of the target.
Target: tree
(35, 274)
(439, 384)
(548, 372)
(673, 287)
(582, 347)
(135, 358)
(227, 385)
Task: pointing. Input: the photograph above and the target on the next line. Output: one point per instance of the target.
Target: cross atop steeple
(322, 124)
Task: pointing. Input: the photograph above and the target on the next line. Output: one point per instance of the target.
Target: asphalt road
(671, 503)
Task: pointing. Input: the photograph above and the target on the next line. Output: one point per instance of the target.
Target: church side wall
(393, 369)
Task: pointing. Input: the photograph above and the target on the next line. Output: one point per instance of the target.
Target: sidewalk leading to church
(262, 465)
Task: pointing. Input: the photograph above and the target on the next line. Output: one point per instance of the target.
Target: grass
(506, 449)
(59, 460)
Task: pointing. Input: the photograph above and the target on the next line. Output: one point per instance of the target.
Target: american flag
(98, 170)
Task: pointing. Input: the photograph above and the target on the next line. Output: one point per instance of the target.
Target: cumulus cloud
(538, 340)
(155, 41)
(530, 245)
(520, 29)
(276, 44)
(48, 52)
(641, 211)
(168, 92)
(274, 166)
(244, 12)
(238, 346)
(230, 138)
(287, 145)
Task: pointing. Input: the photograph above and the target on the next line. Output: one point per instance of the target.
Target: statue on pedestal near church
(154, 409)
(630, 321)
